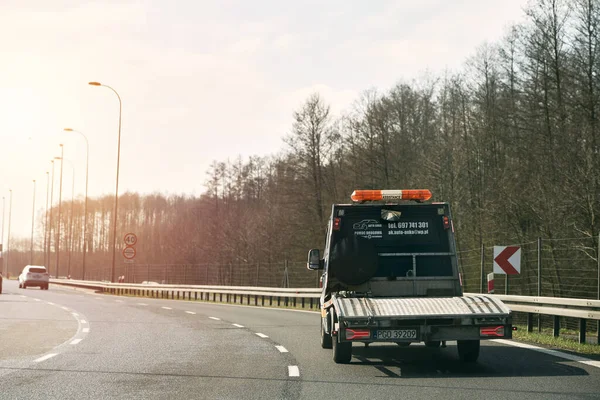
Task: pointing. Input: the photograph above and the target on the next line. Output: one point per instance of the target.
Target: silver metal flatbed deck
(420, 307)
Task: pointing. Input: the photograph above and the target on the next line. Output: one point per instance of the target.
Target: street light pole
(85, 213)
(114, 245)
(51, 207)
(32, 224)
(2, 237)
(46, 218)
(62, 152)
(8, 236)
(71, 219)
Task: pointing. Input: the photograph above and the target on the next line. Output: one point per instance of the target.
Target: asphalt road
(72, 344)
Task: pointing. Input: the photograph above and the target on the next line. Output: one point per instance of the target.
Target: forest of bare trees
(511, 140)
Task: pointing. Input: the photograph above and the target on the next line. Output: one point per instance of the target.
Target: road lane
(143, 350)
(29, 327)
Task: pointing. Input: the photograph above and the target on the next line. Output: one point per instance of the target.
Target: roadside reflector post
(556, 326)
(582, 327)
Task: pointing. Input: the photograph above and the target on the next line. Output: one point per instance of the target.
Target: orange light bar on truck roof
(374, 195)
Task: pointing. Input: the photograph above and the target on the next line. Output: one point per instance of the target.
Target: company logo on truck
(368, 228)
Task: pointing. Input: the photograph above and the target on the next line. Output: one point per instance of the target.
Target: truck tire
(468, 350)
(434, 344)
(326, 341)
(342, 352)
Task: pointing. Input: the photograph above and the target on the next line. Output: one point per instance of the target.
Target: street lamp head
(95, 83)
(68, 130)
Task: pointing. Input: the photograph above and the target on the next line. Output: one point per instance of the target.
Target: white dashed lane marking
(238, 325)
(76, 341)
(83, 321)
(51, 303)
(44, 358)
(75, 314)
(215, 318)
(37, 299)
(281, 349)
(142, 304)
(191, 312)
(65, 308)
(293, 370)
(86, 330)
(166, 308)
(262, 335)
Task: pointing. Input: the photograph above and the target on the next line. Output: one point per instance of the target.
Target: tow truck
(390, 274)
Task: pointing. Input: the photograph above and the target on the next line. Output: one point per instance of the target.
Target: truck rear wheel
(342, 352)
(326, 341)
(468, 350)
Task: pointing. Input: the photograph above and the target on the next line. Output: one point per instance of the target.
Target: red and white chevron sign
(507, 260)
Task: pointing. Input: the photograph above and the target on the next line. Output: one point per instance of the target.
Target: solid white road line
(556, 353)
(167, 308)
(44, 358)
(191, 312)
(238, 325)
(262, 335)
(76, 341)
(86, 330)
(293, 370)
(215, 318)
(281, 349)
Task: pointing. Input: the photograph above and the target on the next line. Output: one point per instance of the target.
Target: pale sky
(200, 80)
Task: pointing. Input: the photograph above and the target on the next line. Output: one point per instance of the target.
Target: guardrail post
(255, 299)
(539, 280)
(481, 283)
(582, 327)
(303, 302)
(556, 326)
(311, 303)
(248, 302)
(529, 322)
(196, 296)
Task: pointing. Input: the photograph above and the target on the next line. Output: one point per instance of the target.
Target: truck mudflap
(420, 307)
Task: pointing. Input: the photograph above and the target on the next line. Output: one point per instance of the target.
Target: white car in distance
(34, 275)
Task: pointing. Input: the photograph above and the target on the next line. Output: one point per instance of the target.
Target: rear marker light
(496, 331)
(446, 222)
(337, 223)
(354, 334)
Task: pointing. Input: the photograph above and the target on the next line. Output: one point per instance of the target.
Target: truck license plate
(393, 334)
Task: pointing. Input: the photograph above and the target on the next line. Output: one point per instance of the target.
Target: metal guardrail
(287, 296)
(582, 309)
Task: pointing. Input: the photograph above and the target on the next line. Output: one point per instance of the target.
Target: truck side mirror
(314, 260)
